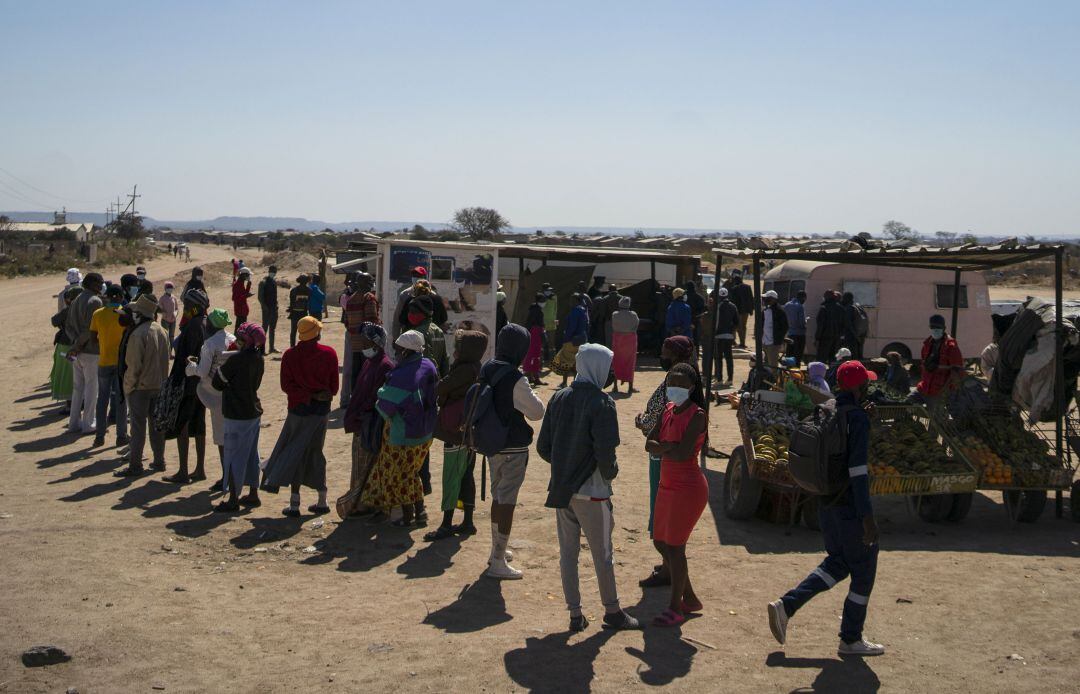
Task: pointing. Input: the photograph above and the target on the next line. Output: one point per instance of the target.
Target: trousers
(140, 404)
(595, 519)
(84, 387)
(109, 391)
(797, 348)
(269, 324)
(846, 556)
(740, 329)
(724, 355)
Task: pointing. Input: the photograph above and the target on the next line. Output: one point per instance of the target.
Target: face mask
(369, 352)
(114, 304)
(168, 290)
(141, 276)
(416, 318)
(937, 333)
(677, 395)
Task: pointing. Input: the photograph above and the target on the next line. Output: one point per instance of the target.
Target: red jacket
(240, 293)
(306, 369)
(949, 357)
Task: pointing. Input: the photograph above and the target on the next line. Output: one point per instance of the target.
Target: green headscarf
(219, 318)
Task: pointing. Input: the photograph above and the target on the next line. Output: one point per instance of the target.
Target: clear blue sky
(791, 116)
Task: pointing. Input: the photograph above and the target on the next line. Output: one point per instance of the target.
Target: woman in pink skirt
(534, 323)
(624, 325)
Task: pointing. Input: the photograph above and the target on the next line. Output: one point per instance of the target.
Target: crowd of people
(154, 366)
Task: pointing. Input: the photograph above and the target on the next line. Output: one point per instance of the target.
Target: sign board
(463, 275)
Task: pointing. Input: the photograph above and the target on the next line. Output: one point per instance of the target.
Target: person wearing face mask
(458, 462)
(848, 526)
(84, 354)
(130, 285)
(534, 323)
(361, 308)
(683, 492)
(146, 364)
(578, 438)
(62, 373)
(74, 279)
(238, 382)
(407, 405)
(420, 320)
(679, 318)
(268, 305)
(774, 328)
(106, 328)
(195, 282)
(309, 378)
(191, 415)
(361, 420)
(140, 273)
(212, 355)
(942, 362)
(168, 305)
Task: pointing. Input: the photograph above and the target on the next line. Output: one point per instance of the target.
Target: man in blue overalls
(849, 528)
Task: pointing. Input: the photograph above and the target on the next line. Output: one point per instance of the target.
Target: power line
(61, 198)
(17, 194)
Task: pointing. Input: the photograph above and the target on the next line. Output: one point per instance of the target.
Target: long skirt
(535, 356)
(624, 345)
(211, 398)
(565, 362)
(241, 461)
(298, 454)
(394, 479)
(62, 375)
(362, 461)
(455, 467)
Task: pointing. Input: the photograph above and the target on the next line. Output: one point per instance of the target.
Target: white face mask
(937, 333)
(677, 395)
(369, 352)
(168, 290)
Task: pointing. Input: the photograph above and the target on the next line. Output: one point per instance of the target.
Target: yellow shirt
(106, 323)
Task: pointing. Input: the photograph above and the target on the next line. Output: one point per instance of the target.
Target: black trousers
(467, 494)
(269, 323)
(827, 347)
(724, 355)
(797, 348)
(294, 321)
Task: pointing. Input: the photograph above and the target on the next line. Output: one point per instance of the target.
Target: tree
(479, 223)
(899, 231)
(419, 233)
(129, 226)
(1030, 240)
(947, 238)
(969, 238)
(639, 234)
(841, 235)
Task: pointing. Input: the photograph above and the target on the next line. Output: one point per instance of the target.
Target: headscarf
(375, 333)
(74, 276)
(624, 303)
(512, 344)
(219, 318)
(471, 345)
(308, 328)
(681, 346)
(594, 364)
(423, 304)
(196, 297)
(421, 288)
(252, 334)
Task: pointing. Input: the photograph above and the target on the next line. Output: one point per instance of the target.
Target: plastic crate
(773, 472)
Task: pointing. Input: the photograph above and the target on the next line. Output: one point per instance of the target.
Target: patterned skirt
(362, 462)
(394, 479)
(565, 362)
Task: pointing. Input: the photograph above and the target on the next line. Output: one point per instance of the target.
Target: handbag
(167, 407)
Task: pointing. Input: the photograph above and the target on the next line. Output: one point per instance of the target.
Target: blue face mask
(937, 333)
(114, 304)
(677, 395)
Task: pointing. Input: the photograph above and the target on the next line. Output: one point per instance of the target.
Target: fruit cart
(908, 457)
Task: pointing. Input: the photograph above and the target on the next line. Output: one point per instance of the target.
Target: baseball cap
(420, 271)
(853, 374)
(770, 295)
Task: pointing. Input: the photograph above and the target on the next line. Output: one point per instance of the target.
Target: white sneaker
(861, 648)
(778, 621)
(502, 571)
(509, 555)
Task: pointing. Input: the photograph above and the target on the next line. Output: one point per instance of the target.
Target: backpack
(816, 452)
(862, 322)
(485, 431)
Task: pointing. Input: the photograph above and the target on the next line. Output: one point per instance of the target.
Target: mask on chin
(416, 318)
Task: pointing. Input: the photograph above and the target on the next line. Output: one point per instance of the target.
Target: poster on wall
(462, 275)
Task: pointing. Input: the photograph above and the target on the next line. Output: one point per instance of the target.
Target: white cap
(770, 295)
(410, 340)
(722, 292)
(843, 353)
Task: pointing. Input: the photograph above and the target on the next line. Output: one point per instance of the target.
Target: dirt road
(150, 591)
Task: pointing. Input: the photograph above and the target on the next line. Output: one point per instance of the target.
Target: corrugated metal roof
(964, 258)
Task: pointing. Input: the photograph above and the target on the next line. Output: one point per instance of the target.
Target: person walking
(316, 300)
(238, 380)
(361, 419)
(774, 328)
(796, 320)
(575, 334)
(829, 327)
(515, 402)
(624, 345)
(146, 366)
(84, 354)
(725, 330)
(298, 306)
(241, 290)
(191, 416)
(268, 306)
(848, 528)
(212, 355)
(683, 492)
(583, 421)
(309, 378)
(534, 323)
(458, 485)
(169, 307)
(407, 405)
(743, 297)
(106, 328)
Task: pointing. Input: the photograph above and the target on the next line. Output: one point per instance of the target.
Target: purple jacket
(408, 401)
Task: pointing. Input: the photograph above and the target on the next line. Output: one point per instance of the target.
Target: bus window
(944, 296)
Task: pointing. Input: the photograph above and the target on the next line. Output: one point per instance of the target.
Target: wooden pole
(955, 301)
(1059, 376)
(759, 317)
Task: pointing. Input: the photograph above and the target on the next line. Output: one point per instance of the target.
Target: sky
(783, 116)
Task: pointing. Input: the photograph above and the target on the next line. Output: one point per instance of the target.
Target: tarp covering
(964, 258)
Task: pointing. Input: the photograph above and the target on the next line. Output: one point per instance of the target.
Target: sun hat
(410, 340)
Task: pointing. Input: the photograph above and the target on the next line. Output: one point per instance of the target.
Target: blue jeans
(847, 556)
(109, 389)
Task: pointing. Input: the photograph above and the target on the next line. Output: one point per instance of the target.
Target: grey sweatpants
(140, 405)
(596, 520)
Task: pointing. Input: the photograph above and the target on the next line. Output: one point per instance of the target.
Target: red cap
(853, 374)
(420, 270)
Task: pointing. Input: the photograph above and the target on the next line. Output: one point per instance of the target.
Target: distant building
(84, 231)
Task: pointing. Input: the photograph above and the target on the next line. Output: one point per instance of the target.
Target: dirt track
(146, 588)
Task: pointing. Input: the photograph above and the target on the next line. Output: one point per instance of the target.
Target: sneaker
(861, 648)
(122, 441)
(778, 620)
(99, 441)
(578, 623)
(502, 571)
(620, 621)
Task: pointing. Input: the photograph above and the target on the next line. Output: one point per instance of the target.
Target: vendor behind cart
(942, 363)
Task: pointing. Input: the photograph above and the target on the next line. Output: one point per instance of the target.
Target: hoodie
(816, 370)
(583, 420)
(453, 387)
(515, 401)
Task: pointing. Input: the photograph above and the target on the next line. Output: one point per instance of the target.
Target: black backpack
(816, 453)
(485, 431)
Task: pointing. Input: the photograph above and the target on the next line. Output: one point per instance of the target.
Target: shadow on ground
(848, 675)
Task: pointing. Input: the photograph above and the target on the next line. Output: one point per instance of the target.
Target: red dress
(683, 491)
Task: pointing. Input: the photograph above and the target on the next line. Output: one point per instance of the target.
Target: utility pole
(133, 196)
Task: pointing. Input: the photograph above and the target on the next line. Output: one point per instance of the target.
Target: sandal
(177, 479)
(669, 618)
(462, 529)
(688, 607)
(441, 533)
(318, 510)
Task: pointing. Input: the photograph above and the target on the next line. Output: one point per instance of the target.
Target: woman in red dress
(677, 439)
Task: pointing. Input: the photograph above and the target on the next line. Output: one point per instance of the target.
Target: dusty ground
(149, 591)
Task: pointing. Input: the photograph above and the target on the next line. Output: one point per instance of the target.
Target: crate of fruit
(911, 455)
(1007, 454)
(766, 428)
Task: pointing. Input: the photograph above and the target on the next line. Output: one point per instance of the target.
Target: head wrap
(169, 285)
(196, 297)
(500, 297)
(411, 340)
(593, 364)
(624, 302)
(512, 344)
(308, 328)
(219, 318)
(680, 346)
(677, 293)
(74, 276)
(145, 305)
(421, 288)
(423, 304)
(471, 345)
(252, 334)
(375, 333)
